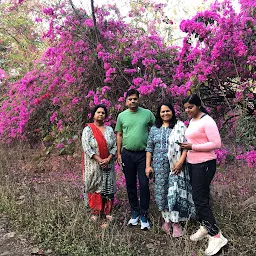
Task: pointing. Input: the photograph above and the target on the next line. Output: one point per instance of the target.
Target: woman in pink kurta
(203, 138)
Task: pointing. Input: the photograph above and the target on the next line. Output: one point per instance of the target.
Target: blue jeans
(134, 163)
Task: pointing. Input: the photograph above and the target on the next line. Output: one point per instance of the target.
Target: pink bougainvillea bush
(84, 66)
(218, 60)
(219, 55)
(89, 63)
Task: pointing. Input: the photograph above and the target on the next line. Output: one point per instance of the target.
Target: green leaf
(48, 151)
(47, 137)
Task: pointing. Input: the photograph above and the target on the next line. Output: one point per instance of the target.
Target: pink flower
(106, 66)
(137, 80)
(105, 89)
(38, 20)
(88, 23)
(99, 47)
(90, 94)
(75, 101)
(60, 146)
(55, 101)
(48, 11)
(130, 70)
(135, 61)
(53, 117)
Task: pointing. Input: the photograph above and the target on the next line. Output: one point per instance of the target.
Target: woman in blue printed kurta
(164, 159)
(158, 145)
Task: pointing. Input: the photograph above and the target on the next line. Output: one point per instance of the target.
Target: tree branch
(94, 21)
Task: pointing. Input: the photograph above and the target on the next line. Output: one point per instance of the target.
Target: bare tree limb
(94, 21)
(13, 37)
(73, 7)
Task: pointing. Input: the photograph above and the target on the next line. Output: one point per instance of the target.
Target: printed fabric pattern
(180, 202)
(157, 144)
(95, 178)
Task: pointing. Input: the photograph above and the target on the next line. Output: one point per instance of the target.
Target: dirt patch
(14, 244)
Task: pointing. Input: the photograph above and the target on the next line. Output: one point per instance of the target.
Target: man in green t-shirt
(132, 133)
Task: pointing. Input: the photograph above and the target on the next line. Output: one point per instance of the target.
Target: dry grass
(41, 197)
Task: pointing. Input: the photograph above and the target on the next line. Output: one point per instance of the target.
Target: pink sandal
(94, 218)
(166, 228)
(177, 230)
(109, 217)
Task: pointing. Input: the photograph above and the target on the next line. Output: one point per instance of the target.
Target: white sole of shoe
(133, 224)
(146, 228)
(198, 239)
(224, 241)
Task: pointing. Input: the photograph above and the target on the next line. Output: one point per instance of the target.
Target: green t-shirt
(134, 127)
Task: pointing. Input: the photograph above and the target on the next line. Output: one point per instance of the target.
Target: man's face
(132, 102)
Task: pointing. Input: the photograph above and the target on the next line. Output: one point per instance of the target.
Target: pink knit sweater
(204, 136)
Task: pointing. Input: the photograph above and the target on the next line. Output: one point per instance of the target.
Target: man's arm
(119, 138)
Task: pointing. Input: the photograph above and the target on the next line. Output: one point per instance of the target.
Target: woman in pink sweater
(202, 139)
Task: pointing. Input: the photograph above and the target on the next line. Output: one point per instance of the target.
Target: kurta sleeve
(150, 142)
(86, 137)
(112, 149)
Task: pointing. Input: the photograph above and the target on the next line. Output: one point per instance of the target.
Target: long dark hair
(159, 120)
(195, 99)
(96, 108)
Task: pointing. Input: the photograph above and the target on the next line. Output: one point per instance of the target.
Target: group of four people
(181, 160)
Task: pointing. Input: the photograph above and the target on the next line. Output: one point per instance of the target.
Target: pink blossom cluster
(219, 46)
(249, 157)
(221, 155)
(76, 72)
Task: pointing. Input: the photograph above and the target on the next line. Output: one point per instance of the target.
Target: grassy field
(42, 197)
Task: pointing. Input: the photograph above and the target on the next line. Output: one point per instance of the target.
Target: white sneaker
(144, 224)
(215, 244)
(200, 234)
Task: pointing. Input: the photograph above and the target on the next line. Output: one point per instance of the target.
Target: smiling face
(192, 110)
(132, 102)
(165, 113)
(99, 115)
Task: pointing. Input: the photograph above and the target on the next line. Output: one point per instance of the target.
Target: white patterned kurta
(180, 202)
(95, 179)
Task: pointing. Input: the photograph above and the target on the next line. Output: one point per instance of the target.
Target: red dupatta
(101, 141)
(102, 144)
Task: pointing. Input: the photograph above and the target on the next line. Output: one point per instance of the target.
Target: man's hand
(119, 159)
(148, 170)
